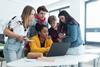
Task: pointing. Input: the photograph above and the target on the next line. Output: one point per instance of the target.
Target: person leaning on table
(40, 43)
(69, 29)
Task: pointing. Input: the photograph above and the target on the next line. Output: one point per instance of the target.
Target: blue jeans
(12, 50)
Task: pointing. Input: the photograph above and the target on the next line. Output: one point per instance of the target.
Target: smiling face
(42, 14)
(28, 15)
(41, 11)
(32, 15)
(44, 32)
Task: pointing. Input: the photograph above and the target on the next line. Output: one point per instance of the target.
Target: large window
(56, 11)
(93, 21)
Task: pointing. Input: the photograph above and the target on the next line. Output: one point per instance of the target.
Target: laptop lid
(58, 49)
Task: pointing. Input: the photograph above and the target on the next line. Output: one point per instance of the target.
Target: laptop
(58, 49)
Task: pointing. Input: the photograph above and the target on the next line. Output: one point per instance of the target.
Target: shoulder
(34, 37)
(35, 21)
(72, 23)
(72, 27)
(17, 18)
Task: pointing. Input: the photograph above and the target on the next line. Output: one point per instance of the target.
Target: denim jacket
(74, 35)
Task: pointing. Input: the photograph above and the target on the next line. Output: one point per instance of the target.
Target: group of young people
(33, 24)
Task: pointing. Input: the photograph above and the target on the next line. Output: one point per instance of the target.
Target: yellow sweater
(35, 45)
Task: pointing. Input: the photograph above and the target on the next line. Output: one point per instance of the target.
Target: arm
(73, 33)
(11, 34)
(49, 43)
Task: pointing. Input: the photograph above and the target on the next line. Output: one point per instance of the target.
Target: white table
(93, 51)
(1, 47)
(48, 61)
(86, 58)
(55, 61)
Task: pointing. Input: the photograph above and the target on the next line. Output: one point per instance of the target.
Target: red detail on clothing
(41, 21)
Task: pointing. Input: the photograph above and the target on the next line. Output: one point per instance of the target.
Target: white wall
(8, 9)
(77, 11)
(82, 18)
(59, 4)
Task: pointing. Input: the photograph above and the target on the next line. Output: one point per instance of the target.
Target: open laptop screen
(58, 49)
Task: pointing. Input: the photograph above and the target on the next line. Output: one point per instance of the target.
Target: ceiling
(36, 3)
